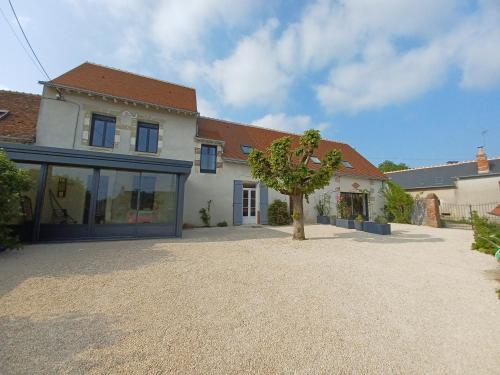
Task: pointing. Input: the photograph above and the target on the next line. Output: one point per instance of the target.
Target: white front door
(249, 208)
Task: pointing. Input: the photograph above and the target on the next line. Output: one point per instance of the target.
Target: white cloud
(181, 28)
(206, 108)
(294, 124)
(386, 78)
(3, 87)
(251, 75)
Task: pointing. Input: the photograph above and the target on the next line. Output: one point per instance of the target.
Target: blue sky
(415, 81)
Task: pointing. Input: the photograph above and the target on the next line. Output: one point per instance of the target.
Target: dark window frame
(346, 164)
(204, 170)
(149, 126)
(245, 148)
(92, 128)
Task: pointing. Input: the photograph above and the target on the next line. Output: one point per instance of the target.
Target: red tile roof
(121, 84)
(19, 125)
(234, 135)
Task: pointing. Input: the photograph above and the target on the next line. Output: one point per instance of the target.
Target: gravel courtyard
(250, 300)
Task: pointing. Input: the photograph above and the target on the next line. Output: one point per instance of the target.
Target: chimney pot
(483, 166)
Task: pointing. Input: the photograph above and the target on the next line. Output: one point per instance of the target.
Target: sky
(414, 81)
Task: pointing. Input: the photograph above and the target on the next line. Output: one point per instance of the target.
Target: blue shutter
(263, 203)
(238, 203)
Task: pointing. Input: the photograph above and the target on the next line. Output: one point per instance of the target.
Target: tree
(13, 181)
(398, 202)
(390, 166)
(286, 170)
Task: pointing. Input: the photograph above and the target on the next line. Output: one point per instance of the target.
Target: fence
(461, 213)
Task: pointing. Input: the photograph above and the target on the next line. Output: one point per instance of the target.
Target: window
(147, 137)
(246, 149)
(346, 164)
(208, 162)
(103, 131)
(315, 160)
(3, 113)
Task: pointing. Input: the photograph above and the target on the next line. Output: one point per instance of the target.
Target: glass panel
(245, 202)
(110, 134)
(117, 197)
(158, 198)
(153, 140)
(28, 198)
(98, 133)
(142, 139)
(67, 195)
(252, 202)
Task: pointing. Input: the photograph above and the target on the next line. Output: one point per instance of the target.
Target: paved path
(234, 300)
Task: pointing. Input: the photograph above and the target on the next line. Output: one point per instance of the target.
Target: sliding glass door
(135, 204)
(84, 203)
(66, 203)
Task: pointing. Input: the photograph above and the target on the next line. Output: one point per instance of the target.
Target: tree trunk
(298, 217)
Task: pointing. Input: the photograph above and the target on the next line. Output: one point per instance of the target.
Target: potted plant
(379, 226)
(323, 209)
(343, 214)
(333, 219)
(358, 222)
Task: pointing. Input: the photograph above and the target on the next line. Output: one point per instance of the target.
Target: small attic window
(315, 160)
(346, 164)
(246, 149)
(3, 113)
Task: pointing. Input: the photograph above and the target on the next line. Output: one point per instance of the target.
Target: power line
(27, 41)
(19, 41)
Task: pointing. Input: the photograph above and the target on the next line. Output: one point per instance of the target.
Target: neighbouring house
(18, 116)
(122, 155)
(460, 186)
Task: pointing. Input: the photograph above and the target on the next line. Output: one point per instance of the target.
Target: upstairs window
(346, 164)
(147, 137)
(246, 149)
(315, 160)
(208, 162)
(3, 113)
(103, 131)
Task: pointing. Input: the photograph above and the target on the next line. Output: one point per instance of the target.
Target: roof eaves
(154, 105)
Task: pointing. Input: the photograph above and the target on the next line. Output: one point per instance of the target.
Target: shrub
(399, 204)
(278, 213)
(486, 235)
(13, 181)
(342, 209)
(360, 218)
(222, 224)
(323, 204)
(380, 220)
(205, 214)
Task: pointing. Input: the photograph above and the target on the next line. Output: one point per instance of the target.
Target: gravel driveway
(234, 300)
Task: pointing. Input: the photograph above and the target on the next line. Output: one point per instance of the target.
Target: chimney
(482, 161)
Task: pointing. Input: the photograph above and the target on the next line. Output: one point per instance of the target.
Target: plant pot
(375, 228)
(358, 225)
(333, 220)
(345, 223)
(322, 219)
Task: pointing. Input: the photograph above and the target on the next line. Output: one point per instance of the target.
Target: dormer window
(3, 113)
(315, 160)
(346, 164)
(246, 149)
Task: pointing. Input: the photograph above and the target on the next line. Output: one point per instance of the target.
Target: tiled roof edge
(265, 128)
(127, 72)
(440, 165)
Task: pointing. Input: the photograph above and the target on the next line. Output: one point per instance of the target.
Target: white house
(122, 155)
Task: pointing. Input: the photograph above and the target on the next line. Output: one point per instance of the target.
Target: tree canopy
(390, 166)
(287, 170)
